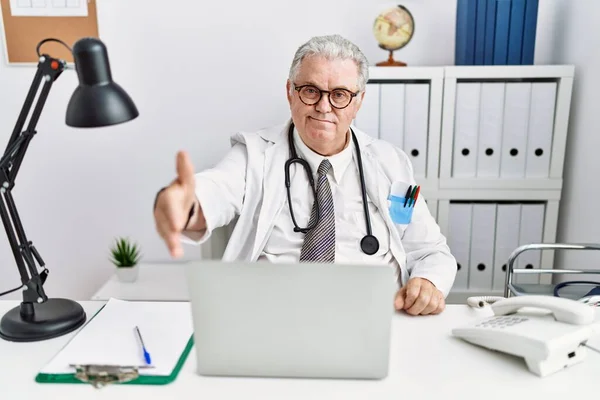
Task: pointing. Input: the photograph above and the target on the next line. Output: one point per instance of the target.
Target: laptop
(304, 320)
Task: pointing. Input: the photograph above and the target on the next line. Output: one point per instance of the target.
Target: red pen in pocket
(416, 195)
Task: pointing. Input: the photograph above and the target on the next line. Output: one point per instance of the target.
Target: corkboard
(22, 34)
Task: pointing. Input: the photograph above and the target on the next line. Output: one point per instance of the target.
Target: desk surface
(161, 282)
(426, 363)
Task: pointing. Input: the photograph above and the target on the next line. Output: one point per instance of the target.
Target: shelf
(405, 73)
(510, 72)
(498, 195)
(501, 184)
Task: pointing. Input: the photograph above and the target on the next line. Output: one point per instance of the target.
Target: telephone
(550, 333)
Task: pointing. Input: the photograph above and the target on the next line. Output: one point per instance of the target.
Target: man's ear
(288, 87)
(360, 98)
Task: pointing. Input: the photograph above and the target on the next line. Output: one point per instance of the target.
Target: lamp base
(53, 318)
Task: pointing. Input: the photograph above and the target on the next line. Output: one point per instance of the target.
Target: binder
(541, 128)
(482, 247)
(490, 31)
(502, 32)
(107, 350)
(416, 124)
(466, 14)
(515, 35)
(529, 32)
(531, 231)
(515, 128)
(508, 222)
(480, 32)
(367, 118)
(459, 241)
(490, 130)
(391, 117)
(464, 157)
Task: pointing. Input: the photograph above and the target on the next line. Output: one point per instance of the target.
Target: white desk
(161, 282)
(426, 363)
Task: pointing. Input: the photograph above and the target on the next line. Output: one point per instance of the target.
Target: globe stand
(391, 62)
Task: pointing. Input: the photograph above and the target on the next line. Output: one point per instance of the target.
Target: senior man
(336, 170)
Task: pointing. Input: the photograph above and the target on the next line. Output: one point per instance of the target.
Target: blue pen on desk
(146, 354)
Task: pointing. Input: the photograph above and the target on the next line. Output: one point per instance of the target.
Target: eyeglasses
(338, 98)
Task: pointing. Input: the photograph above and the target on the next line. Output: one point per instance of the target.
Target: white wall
(198, 72)
(578, 38)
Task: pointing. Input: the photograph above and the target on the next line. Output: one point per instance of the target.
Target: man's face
(322, 126)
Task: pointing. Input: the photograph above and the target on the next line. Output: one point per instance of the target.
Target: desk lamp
(96, 102)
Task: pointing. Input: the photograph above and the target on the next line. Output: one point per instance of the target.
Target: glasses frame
(299, 88)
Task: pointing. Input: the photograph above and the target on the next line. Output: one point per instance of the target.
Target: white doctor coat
(248, 183)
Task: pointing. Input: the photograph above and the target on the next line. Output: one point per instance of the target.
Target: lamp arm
(23, 250)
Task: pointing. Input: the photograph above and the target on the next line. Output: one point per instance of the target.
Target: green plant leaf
(124, 253)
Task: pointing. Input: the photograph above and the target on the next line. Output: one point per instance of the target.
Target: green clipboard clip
(102, 375)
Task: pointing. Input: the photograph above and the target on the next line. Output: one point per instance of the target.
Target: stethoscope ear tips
(369, 244)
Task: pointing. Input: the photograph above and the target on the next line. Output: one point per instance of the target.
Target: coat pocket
(400, 210)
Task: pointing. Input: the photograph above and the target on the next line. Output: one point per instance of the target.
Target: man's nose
(323, 105)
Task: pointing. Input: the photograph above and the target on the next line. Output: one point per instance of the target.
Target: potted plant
(125, 256)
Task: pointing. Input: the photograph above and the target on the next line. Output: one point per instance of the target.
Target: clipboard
(106, 351)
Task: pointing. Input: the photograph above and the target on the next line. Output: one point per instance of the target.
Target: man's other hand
(420, 297)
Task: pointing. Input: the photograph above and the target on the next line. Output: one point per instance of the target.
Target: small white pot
(128, 274)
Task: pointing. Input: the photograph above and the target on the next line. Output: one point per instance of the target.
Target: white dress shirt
(284, 244)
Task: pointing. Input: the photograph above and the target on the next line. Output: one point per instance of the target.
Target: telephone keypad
(501, 321)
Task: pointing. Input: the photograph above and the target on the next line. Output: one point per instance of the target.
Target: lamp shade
(97, 101)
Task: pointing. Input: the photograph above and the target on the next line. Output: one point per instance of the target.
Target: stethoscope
(368, 244)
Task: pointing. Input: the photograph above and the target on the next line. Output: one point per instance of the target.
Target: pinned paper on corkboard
(27, 22)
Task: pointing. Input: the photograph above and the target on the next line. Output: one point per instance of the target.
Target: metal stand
(511, 289)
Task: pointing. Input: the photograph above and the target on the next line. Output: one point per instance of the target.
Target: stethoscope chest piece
(369, 244)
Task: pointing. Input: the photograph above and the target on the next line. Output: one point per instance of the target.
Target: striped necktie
(319, 242)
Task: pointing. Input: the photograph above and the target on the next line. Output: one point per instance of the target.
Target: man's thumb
(399, 301)
(185, 169)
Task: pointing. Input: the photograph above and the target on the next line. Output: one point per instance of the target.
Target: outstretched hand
(420, 297)
(173, 205)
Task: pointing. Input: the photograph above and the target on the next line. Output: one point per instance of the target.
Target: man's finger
(166, 226)
(399, 301)
(441, 304)
(185, 169)
(421, 303)
(432, 306)
(413, 288)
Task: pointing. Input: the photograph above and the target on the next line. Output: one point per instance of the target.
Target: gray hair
(333, 47)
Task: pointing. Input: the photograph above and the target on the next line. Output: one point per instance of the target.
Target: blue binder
(480, 32)
(490, 31)
(466, 14)
(515, 36)
(502, 32)
(529, 32)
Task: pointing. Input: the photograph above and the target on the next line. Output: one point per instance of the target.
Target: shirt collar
(339, 162)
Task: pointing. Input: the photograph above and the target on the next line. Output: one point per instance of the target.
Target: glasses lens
(340, 98)
(310, 94)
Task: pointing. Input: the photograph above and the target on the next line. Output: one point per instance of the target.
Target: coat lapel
(273, 186)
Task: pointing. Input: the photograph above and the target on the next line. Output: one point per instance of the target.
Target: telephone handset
(564, 310)
(548, 332)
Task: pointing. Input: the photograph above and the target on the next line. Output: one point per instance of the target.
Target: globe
(393, 29)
